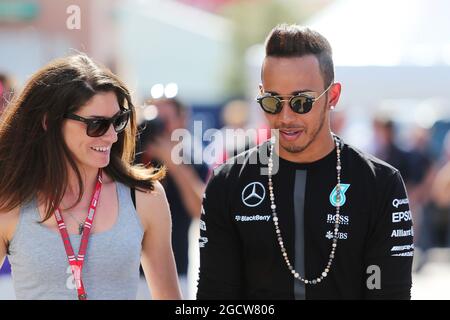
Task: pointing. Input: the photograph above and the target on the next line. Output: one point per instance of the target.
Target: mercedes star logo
(253, 194)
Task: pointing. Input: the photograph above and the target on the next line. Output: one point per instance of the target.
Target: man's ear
(44, 122)
(334, 94)
(260, 86)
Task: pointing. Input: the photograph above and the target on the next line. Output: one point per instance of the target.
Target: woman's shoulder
(157, 196)
(152, 205)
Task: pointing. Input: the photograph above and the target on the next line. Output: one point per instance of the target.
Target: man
(387, 149)
(332, 223)
(184, 184)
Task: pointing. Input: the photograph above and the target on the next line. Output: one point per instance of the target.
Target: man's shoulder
(253, 157)
(368, 164)
(227, 176)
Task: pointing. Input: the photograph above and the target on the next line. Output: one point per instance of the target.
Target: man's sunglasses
(300, 103)
(97, 127)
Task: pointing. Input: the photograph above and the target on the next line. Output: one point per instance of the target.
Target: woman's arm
(157, 257)
(189, 184)
(441, 187)
(191, 192)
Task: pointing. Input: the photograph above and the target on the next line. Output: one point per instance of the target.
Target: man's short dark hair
(285, 41)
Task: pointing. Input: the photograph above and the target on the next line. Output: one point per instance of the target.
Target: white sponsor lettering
(401, 215)
(252, 218)
(398, 202)
(404, 254)
(341, 235)
(202, 241)
(202, 225)
(399, 233)
(331, 218)
(402, 248)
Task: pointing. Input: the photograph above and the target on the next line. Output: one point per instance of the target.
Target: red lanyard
(76, 263)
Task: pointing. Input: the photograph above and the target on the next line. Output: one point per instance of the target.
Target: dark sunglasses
(300, 103)
(97, 127)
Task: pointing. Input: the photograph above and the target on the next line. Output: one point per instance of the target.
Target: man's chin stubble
(294, 149)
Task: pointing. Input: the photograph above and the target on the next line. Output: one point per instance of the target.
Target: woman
(66, 149)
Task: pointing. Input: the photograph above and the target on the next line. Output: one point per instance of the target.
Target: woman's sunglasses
(97, 127)
(300, 103)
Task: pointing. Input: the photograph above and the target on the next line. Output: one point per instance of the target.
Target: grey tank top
(39, 265)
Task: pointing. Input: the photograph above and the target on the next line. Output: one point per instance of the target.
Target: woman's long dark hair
(34, 161)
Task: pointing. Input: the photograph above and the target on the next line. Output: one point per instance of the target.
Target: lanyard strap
(76, 263)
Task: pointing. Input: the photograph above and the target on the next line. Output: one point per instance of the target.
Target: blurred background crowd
(198, 61)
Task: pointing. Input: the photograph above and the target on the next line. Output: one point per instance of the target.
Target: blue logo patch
(333, 195)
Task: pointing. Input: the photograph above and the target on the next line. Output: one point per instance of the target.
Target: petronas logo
(334, 195)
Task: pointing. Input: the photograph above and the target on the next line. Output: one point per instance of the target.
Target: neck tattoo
(325, 272)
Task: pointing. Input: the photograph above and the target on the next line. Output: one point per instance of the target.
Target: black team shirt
(240, 257)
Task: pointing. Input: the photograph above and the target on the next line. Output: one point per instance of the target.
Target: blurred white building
(165, 41)
(145, 41)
